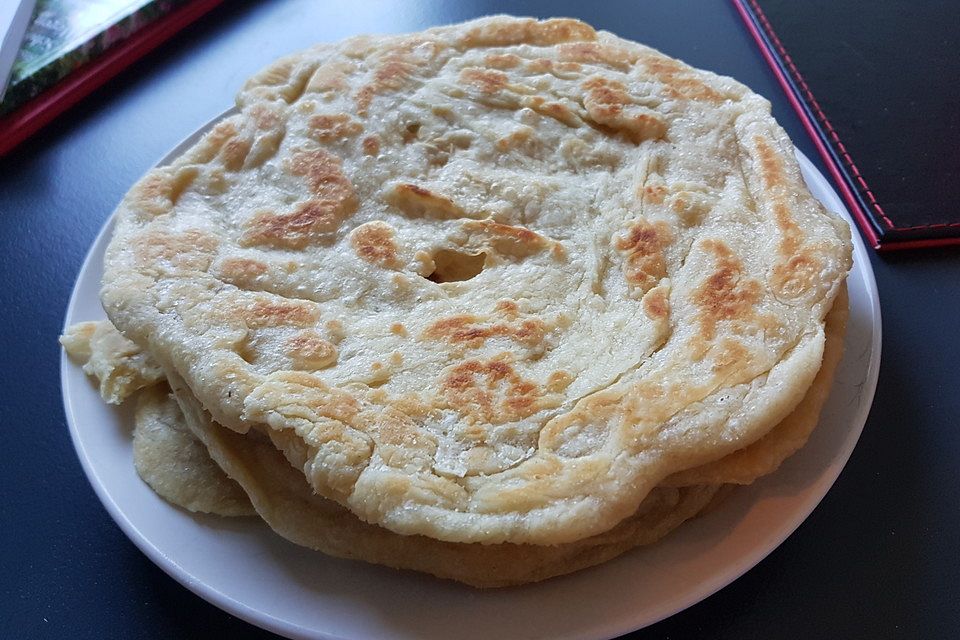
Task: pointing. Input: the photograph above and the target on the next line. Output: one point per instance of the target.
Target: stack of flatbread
(495, 301)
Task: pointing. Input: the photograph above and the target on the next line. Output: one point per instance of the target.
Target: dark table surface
(877, 559)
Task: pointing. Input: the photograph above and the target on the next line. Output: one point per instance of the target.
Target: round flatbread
(490, 282)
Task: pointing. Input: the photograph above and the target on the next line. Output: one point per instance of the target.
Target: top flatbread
(489, 282)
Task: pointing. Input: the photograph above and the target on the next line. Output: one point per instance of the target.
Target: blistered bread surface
(486, 283)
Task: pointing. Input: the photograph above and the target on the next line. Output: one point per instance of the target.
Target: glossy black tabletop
(877, 559)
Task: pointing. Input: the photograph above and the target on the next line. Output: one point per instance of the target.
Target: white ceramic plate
(241, 566)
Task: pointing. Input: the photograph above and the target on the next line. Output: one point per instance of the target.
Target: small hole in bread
(456, 266)
(411, 132)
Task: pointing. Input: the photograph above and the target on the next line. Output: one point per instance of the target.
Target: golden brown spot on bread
(556, 110)
(798, 270)
(276, 313)
(486, 80)
(645, 237)
(329, 77)
(558, 381)
(775, 182)
(516, 138)
(240, 271)
(309, 350)
(311, 220)
(154, 187)
(595, 53)
(375, 243)
(213, 142)
(371, 145)
(791, 237)
(234, 152)
(363, 98)
(539, 65)
(608, 103)
(308, 222)
(160, 189)
(729, 357)
(653, 193)
(508, 239)
(190, 250)
(797, 275)
(546, 65)
(398, 329)
(264, 117)
(656, 304)
(771, 166)
(402, 442)
(448, 326)
(607, 92)
(507, 307)
(390, 73)
(692, 89)
(644, 270)
(337, 331)
(419, 202)
(645, 265)
(470, 331)
(490, 391)
(727, 294)
(680, 82)
(502, 60)
(398, 428)
(412, 405)
(546, 32)
(326, 128)
(324, 174)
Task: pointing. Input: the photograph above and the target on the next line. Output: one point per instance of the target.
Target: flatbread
(120, 366)
(286, 502)
(170, 459)
(490, 282)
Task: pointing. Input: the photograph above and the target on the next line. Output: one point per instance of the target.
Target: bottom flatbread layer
(282, 497)
(170, 459)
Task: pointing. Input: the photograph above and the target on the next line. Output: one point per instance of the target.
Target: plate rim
(270, 622)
